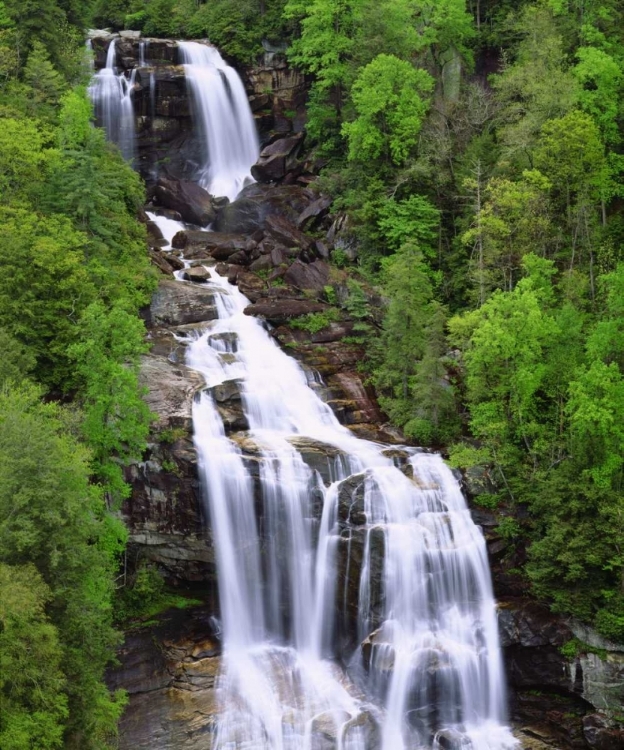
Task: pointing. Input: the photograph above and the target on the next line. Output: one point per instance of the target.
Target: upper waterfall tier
(223, 115)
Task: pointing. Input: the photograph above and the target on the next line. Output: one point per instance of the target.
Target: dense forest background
(476, 149)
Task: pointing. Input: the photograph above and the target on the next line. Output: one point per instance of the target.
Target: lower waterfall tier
(416, 662)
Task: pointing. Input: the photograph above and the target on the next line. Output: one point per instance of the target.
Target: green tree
(410, 374)
(32, 683)
(505, 344)
(536, 87)
(600, 77)
(117, 419)
(513, 221)
(38, 255)
(390, 97)
(17, 361)
(93, 186)
(46, 82)
(53, 518)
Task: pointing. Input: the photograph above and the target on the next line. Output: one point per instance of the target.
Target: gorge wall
(274, 243)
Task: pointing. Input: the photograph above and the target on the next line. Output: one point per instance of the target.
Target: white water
(224, 118)
(111, 94)
(433, 676)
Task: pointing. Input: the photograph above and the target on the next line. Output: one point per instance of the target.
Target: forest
(477, 151)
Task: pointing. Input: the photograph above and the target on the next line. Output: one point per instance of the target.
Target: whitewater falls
(416, 665)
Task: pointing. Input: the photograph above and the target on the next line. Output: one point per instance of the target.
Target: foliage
(30, 655)
(117, 419)
(52, 518)
(410, 374)
(146, 596)
(315, 322)
(389, 99)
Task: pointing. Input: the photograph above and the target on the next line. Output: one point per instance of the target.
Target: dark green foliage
(30, 654)
(74, 273)
(145, 595)
(411, 376)
(52, 518)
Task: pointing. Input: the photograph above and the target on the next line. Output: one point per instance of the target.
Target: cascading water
(224, 118)
(424, 668)
(111, 94)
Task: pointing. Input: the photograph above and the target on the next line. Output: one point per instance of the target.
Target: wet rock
(351, 510)
(191, 201)
(280, 310)
(314, 276)
(178, 304)
(320, 457)
(161, 261)
(601, 733)
(351, 548)
(250, 210)
(198, 274)
(227, 396)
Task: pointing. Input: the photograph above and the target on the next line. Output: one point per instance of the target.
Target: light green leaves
(390, 97)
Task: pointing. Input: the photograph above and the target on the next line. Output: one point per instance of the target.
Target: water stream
(225, 121)
(425, 669)
(111, 94)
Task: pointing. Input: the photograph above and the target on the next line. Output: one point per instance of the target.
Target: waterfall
(111, 94)
(224, 119)
(425, 668)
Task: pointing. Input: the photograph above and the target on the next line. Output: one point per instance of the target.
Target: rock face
(169, 671)
(570, 701)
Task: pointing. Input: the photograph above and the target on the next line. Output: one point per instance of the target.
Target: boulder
(314, 276)
(286, 233)
(192, 240)
(277, 159)
(252, 286)
(278, 311)
(250, 210)
(198, 274)
(191, 201)
(161, 261)
(314, 212)
(178, 304)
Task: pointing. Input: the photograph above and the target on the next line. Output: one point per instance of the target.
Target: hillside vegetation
(476, 149)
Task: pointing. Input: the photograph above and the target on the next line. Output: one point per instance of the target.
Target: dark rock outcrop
(313, 276)
(249, 212)
(281, 310)
(191, 201)
(572, 699)
(278, 159)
